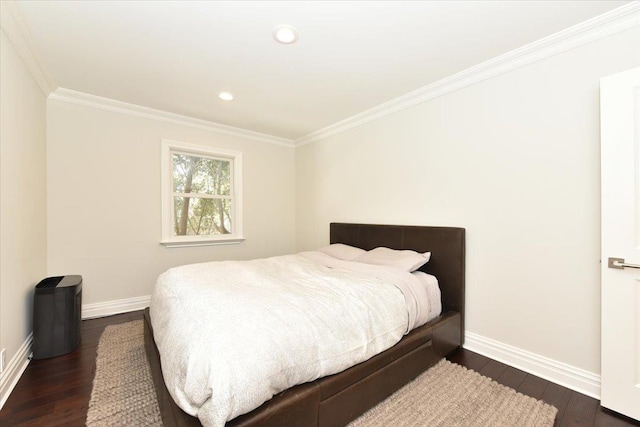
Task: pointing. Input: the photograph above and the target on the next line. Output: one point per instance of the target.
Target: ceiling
(176, 56)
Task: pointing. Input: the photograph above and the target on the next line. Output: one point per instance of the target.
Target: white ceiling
(177, 56)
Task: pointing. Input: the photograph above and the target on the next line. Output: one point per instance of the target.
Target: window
(201, 195)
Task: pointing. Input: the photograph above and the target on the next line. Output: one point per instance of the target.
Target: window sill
(204, 242)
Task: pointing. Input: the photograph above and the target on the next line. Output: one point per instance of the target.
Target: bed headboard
(446, 244)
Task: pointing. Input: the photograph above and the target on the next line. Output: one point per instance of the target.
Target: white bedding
(232, 334)
(434, 295)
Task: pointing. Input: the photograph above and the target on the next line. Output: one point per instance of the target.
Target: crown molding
(16, 29)
(88, 100)
(619, 19)
(614, 21)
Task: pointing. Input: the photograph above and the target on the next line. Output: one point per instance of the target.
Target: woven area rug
(123, 392)
(447, 395)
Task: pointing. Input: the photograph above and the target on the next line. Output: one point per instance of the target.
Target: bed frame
(338, 399)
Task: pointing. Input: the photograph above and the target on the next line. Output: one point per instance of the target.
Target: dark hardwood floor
(56, 392)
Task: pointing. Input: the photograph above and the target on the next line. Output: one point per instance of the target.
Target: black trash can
(57, 306)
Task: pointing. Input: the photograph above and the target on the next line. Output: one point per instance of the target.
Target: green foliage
(207, 209)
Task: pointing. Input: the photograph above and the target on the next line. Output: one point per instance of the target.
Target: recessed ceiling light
(285, 34)
(225, 96)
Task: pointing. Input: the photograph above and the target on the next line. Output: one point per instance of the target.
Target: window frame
(168, 239)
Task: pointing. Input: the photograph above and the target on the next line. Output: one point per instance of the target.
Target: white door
(620, 151)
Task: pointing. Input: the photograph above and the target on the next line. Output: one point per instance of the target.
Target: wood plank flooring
(56, 392)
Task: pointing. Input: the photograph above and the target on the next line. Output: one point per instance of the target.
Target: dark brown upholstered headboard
(446, 244)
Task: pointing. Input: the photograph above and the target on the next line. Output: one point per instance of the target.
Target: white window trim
(168, 239)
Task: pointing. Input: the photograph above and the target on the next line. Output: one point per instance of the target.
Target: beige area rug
(447, 395)
(123, 392)
(450, 395)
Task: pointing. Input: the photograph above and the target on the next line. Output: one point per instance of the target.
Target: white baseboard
(14, 370)
(109, 308)
(576, 379)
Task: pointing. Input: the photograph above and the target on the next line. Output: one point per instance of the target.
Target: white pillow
(344, 252)
(405, 260)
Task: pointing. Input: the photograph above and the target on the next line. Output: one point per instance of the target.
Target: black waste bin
(57, 306)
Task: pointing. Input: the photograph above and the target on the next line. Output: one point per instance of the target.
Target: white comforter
(232, 334)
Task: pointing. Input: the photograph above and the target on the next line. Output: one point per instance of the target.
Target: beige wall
(514, 160)
(104, 206)
(23, 198)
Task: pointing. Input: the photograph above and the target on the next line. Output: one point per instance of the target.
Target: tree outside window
(204, 198)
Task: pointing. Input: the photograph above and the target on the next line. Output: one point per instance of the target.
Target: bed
(337, 399)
